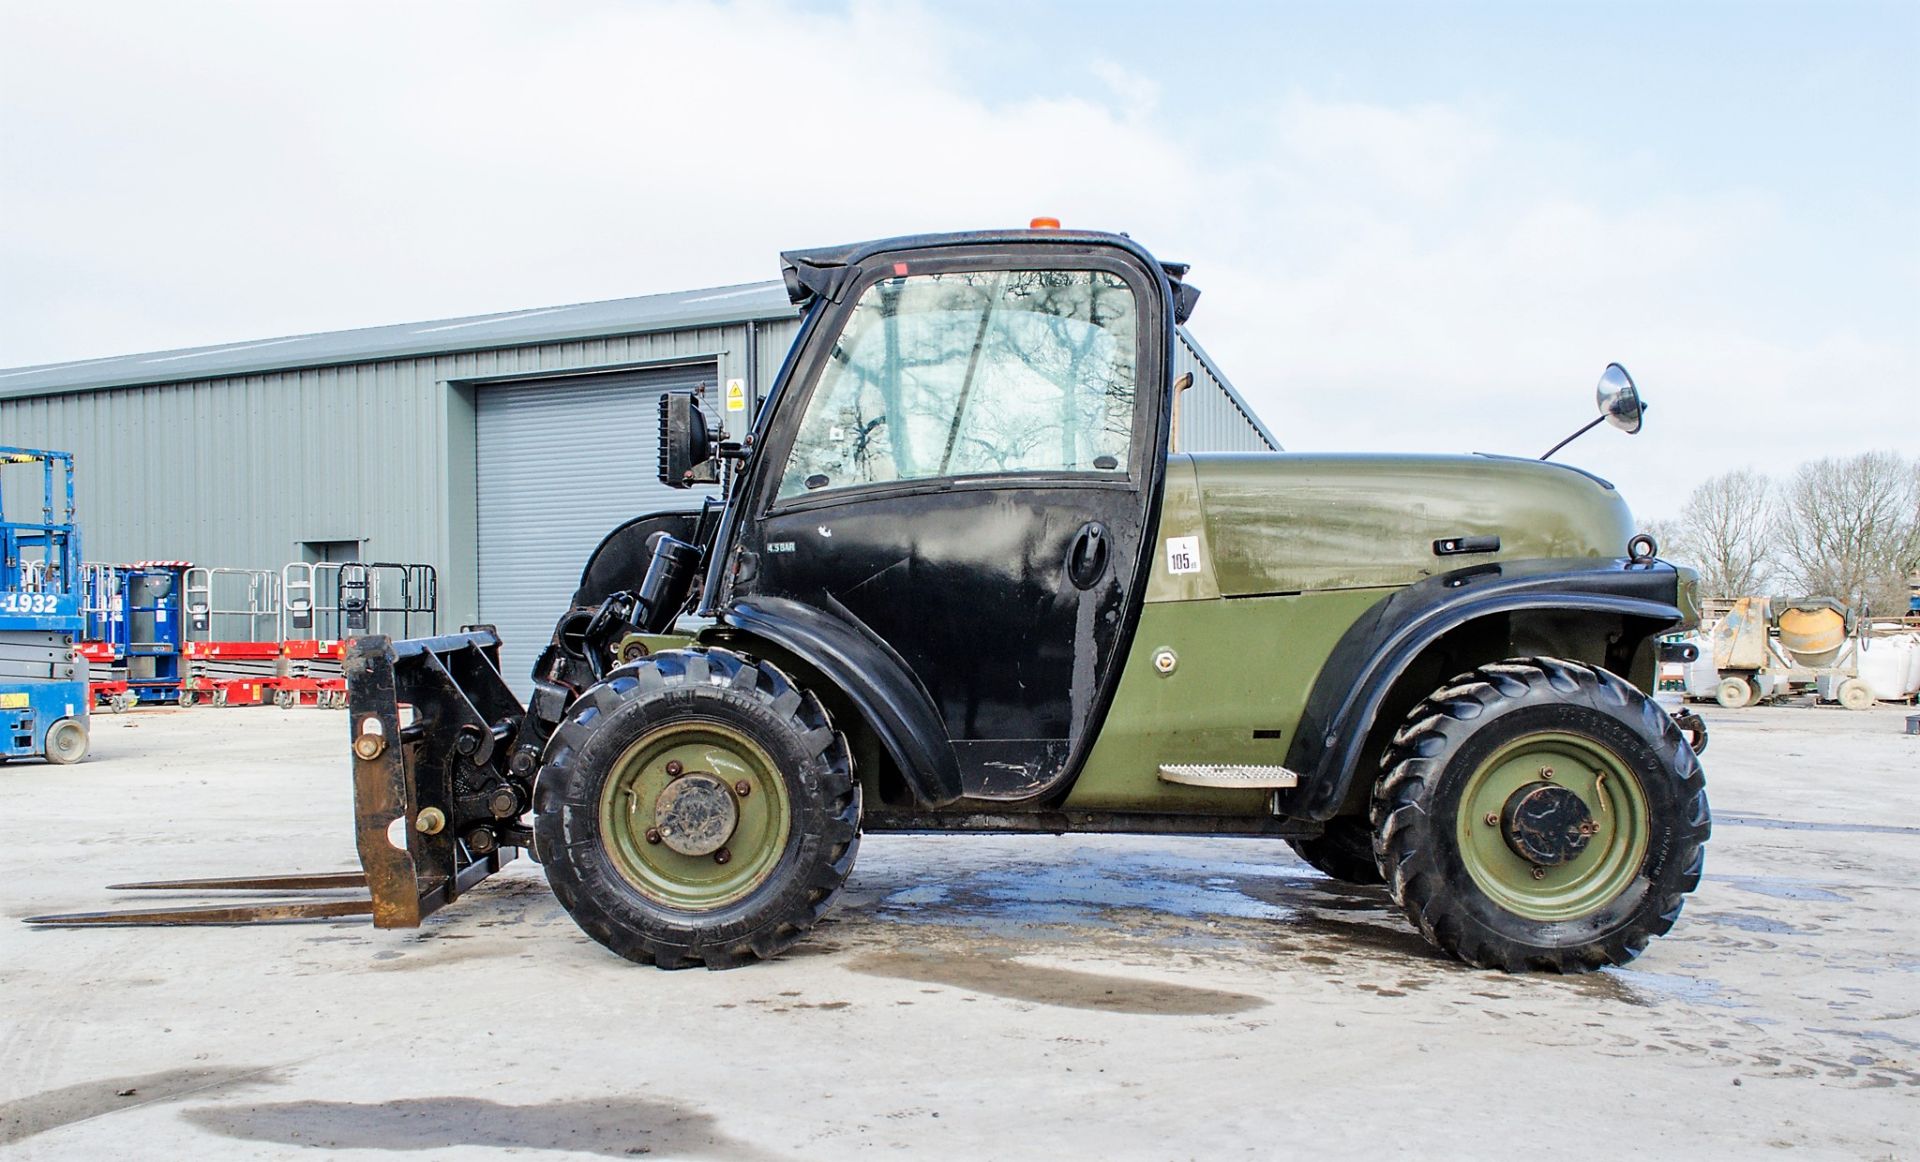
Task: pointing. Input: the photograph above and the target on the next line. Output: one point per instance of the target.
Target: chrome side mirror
(1619, 399)
(1619, 402)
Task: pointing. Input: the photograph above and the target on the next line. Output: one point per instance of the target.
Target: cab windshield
(973, 373)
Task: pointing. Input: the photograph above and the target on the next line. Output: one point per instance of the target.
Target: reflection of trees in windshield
(960, 374)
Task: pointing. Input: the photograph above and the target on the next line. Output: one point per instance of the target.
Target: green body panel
(1292, 550)
(1240, 666)
(1181, 516)
(1291, 523)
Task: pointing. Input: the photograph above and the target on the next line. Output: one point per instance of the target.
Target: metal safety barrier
(233, 605)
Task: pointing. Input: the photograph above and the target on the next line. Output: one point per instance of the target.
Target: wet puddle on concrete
(1782, 888)
(1063, 987)
(25, 1117)
(1725, 819)
(980, 927)
(616, 1127)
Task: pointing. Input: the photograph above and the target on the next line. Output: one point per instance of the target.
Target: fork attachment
(437, 800)
(440, 782)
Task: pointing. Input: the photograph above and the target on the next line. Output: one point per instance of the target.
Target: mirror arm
(1584, 429)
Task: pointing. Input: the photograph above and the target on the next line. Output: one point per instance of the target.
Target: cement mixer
(1770, 648)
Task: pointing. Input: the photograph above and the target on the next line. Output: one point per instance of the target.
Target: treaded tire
(1436, 753)
(693, 687)
(1344, 851)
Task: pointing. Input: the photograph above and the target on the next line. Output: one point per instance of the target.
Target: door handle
(1087, 561)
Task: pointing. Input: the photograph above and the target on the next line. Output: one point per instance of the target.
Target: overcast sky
(1418, 226)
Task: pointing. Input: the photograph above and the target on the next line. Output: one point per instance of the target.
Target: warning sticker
(736, 395)
(1183, 554)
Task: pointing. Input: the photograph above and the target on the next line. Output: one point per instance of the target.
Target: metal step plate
(1227, 775)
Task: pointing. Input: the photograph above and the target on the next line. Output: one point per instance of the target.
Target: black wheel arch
(1605, 613)
(851, 670)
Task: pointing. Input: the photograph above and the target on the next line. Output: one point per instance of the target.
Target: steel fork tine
(298, 882)
(267, 913)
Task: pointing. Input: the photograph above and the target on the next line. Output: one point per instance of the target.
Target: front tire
(1541, 814)
(697, 808)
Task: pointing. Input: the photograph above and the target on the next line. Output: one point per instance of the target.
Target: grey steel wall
(1211, 419)
(238, 471)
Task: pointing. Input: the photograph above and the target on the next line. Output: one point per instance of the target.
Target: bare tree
(1723, 532)
(1848, 527)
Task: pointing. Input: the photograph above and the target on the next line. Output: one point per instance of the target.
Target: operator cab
(964, 450)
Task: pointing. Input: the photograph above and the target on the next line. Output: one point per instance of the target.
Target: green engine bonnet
(1300, 523)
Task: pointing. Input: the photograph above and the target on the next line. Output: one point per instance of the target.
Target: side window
(973, 373)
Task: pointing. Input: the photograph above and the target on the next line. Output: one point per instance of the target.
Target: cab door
(969, 480)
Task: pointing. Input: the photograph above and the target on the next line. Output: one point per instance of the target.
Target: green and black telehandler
(961, 578)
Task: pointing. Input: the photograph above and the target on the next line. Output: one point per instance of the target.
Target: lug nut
(722, 856)
(743, 788)
(1493, 819)
(1539, 873)
(674, 769)
(653, 835)
(1546, 773)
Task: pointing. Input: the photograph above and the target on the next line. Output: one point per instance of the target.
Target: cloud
(1378, 275)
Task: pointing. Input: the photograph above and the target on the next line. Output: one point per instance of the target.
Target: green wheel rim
(1590, 880)
(695, 882)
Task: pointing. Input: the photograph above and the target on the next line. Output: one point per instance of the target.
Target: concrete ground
(977, 998)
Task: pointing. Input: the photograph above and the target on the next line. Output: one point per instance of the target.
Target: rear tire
(1493, 763)
(1344, 851)
(714, 721)
(67, 742)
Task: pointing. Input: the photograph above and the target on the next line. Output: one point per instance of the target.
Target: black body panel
(971, 589)
(1343, 711)
(874, 679)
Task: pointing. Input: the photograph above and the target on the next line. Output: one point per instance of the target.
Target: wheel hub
(696, 814)
(1547, 824)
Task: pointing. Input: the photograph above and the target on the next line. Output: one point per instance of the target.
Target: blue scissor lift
(44, 700)
(153, 647)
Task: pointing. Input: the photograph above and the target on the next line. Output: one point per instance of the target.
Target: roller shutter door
(561, 463)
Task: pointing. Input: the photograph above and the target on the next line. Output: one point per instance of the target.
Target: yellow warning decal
(13, 701)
